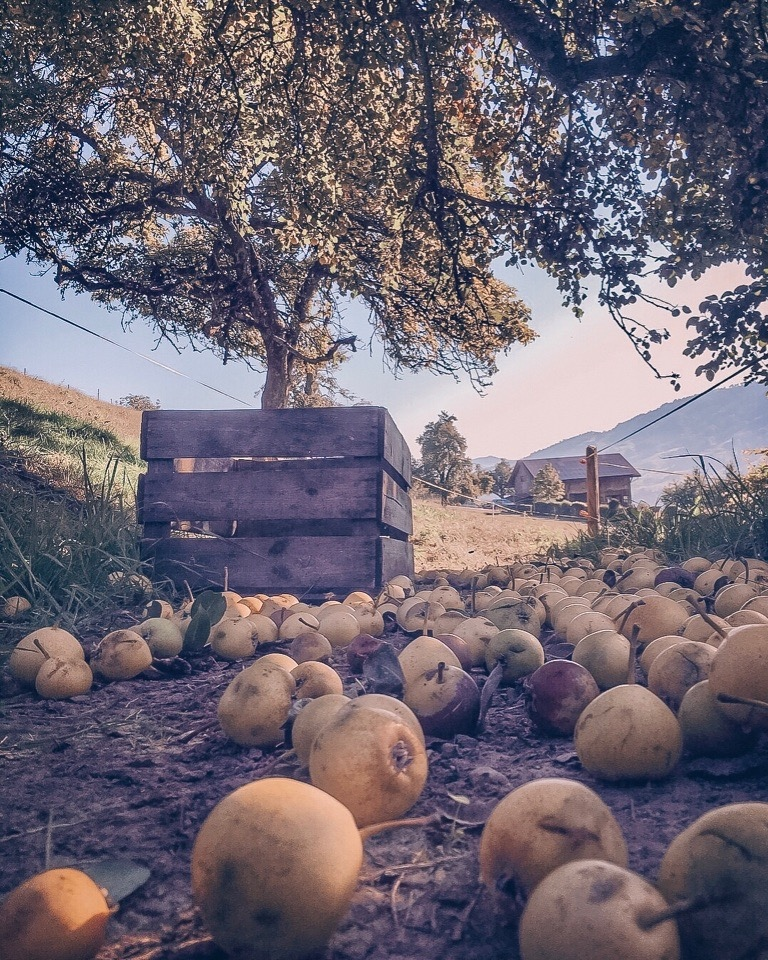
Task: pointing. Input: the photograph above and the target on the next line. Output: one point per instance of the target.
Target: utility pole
(593, 492)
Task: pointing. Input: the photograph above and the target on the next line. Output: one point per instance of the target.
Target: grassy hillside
(123, 422)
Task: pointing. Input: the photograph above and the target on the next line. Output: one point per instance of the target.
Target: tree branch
(543, 37)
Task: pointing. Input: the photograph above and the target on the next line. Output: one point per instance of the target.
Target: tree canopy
(232, 169)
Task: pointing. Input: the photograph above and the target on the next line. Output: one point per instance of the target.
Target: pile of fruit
(638, 661)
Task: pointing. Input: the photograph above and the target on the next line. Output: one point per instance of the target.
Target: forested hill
(728, 424)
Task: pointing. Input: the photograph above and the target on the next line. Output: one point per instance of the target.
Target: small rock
(462, 741)
(487, 776)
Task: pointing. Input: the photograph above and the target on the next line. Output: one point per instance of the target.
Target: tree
(234, 168)
(138, 401)
(444, 462)
(502, 474)
(482, 480)
(234, 172)
(547, 484)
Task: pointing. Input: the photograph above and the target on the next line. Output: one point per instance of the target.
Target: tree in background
(138, 401)
(476, 482)
(444, 460)
(547, 484)
(483, 480)
(235, 172)
(502, 474)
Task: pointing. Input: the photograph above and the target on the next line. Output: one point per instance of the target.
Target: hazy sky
(578, 376)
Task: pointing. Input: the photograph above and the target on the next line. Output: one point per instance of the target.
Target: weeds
(715, 511)
(58, 553)
(68, 512)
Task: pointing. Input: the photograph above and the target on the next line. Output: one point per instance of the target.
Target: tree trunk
(274, 396)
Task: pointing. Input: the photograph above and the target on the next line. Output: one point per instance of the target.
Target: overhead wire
(685, 403)
(208, 386)
(121, 346)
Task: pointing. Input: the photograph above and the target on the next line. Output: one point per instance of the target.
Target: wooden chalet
(615, 475)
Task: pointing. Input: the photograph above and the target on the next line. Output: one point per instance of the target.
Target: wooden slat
(395, 452)
(396, 510)
(287, 490)
(312, 566)
(395, 559)
(325, 432)
(309, 528)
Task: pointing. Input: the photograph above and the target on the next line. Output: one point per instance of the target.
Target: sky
(578, 376)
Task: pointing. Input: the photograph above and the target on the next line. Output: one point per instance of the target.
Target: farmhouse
(614, 471)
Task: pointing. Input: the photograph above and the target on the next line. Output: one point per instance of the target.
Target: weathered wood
(325, 432)
(318, 498)
(396, 509)
(306, 566)
(593, 492)
(308, 490)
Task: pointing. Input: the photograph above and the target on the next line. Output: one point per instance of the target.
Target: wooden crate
(320, 499)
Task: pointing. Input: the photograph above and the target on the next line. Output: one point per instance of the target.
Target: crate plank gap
(306, 501)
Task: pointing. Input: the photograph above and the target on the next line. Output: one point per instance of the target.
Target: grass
(455, 537)
(68, 490)
(53, 445)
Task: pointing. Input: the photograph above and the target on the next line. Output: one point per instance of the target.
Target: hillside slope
(124, 422)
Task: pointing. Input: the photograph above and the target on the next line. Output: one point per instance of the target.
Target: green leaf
(212, 603)
(198, 631)
(118, 877)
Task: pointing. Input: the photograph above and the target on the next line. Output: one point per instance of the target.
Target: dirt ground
(130, 771)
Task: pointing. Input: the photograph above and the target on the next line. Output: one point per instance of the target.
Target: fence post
(593, 492)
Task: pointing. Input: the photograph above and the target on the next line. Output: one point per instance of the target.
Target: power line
(121, 346)
(685, 403)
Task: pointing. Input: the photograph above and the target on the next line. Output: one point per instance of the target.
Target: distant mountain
(726, 425)
(488, 463)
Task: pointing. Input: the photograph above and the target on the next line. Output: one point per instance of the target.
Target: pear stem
(374, 829)
(744, 701)
(673, 911)
(624, 615)
(710, 622)
(41, 648)
(634, 643)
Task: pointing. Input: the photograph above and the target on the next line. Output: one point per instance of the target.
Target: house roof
(574, 468)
